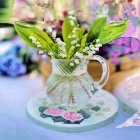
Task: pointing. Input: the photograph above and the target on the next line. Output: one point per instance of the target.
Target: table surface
(15, 125)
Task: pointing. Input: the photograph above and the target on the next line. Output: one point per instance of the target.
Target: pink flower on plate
(55, 112)
(72, 116)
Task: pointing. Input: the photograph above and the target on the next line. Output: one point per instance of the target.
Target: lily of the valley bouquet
(70, 88)
(77, 44)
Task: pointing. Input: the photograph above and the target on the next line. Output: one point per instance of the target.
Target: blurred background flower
(16, 58)
(12, 66)
(52, 12)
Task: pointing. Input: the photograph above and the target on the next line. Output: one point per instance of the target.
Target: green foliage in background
(6, 10)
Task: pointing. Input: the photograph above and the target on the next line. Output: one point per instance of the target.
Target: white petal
(72, 47)
(88, 52)
(40, 52)
(96, 49)
(69, 36)
(71, 21)
(58, 40)
(77, 45)
(97, 40)
(91, 46)
(98, 45)
(34, 42)
(38, 43)
(72, 24)
(50, 53)
(70, 17)
(44, 56)
(71, 64)
(74, 36)
(74, 18)
(73, 31)
(77, 54)
(49, 29)
(72, 42)
(81, 56)
(76, 61)
(63, 44)
(31, 37)
(54, 34)
(71, 12)
(77, 39)
(86, 48)
(39, 46)
(63, 55)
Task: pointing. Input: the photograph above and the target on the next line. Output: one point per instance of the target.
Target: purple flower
(116, 53)
(133, 56)
(85, 25)
(127, 50)
(115, 60)
(12, 66)
(125, 41)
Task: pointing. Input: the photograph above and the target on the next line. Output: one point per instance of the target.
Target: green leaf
(67, 30)
(58, 119)
(43, 115)
(113, 31)
(42, 109)
(83, 42)
(96, 28)
(85, 114)
(96, 108)
(25, 30)
(79, 34)
(61, 107)
(55, 49)
(69, 122)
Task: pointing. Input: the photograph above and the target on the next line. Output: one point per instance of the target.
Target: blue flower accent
(12, 66)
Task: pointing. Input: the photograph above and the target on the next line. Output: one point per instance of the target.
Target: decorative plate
(100, 112)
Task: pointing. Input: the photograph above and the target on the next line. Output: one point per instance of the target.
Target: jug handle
(105, 73)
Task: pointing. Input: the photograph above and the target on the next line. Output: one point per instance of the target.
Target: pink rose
(72, 116)
(54, 112)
